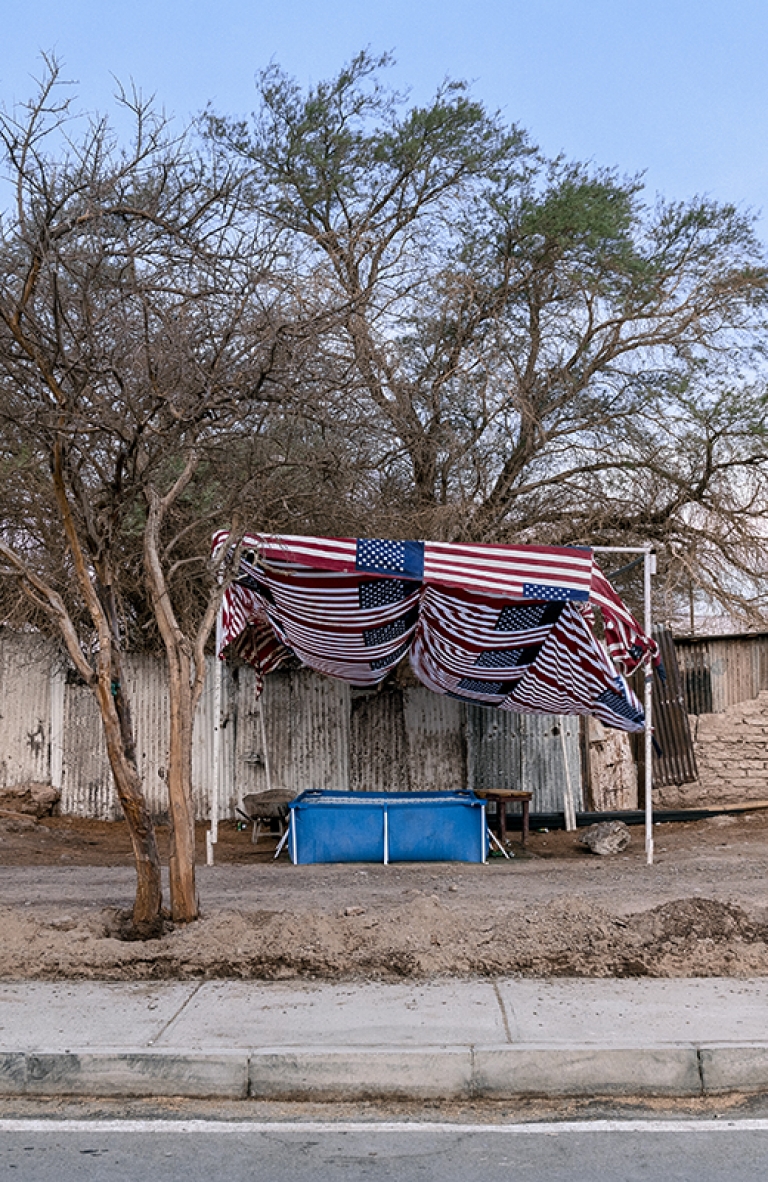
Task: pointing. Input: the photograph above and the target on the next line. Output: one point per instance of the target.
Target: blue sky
(675, 88)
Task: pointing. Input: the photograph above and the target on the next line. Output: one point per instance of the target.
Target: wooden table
(502, 796)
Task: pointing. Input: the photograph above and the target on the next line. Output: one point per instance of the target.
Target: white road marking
(542, 1128)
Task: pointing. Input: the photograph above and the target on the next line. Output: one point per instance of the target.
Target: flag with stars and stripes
(503, 626)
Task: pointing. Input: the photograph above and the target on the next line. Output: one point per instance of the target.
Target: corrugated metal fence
(719, 671)
(319, 733)
(674, 757)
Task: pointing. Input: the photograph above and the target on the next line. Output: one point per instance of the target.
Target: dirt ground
(700, 910)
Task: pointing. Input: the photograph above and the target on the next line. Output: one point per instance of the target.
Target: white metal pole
(649, 568)
(58, 690)
(212, 835)
(570, 807)
(294, 838)
(267, 770)
(483, 839)
(621, 549)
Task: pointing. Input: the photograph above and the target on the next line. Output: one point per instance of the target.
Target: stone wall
(732, 758)
(612, 771)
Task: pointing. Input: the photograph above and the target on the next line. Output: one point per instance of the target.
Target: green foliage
(371, 317)
(536, 350)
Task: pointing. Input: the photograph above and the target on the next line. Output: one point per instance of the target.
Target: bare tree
(139, 325)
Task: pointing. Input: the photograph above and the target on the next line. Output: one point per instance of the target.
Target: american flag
(502, 626)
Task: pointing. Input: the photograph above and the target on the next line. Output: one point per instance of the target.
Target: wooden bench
(502, 797)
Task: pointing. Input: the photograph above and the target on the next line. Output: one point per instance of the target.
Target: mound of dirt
(554, 910)
(420, 938)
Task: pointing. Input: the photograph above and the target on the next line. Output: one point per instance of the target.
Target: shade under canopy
(510, 627)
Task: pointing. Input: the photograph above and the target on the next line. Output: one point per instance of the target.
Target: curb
(126, 1073)
(389, 1073)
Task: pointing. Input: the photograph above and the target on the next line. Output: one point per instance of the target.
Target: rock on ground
(36, 800)
(606, 837)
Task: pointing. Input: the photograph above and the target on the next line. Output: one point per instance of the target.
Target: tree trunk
(113, 704)
(148, 903)
(181, 813)
(181, 712)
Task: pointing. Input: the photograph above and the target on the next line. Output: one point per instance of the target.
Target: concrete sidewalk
(444, 1039)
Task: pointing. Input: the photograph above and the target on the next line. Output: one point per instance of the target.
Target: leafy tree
(537, 353)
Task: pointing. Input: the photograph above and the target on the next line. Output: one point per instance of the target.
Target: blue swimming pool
(332, 826)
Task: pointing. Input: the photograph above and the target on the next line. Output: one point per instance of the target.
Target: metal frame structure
(649, 569)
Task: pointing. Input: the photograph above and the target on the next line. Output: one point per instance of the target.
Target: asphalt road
(316, 1151)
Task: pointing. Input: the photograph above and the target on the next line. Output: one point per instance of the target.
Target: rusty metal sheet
(378, 752)
(319, 725)
(306, 723)
(203, 745)
(720, 671)
(87, 789)
(26, 668)
(319, 733)
(250, 762)
(436, 749)
(147, 689)
(87, 785)
(493, 748)
(674, 759)
(524, 751)
(542, 762)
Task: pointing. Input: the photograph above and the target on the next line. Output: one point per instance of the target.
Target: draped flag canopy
(505, 626)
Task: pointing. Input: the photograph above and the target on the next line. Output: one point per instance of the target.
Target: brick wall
(732, 756)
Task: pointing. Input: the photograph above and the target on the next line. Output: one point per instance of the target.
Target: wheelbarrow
(269, 808)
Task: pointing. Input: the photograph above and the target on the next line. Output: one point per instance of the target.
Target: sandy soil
(700, 910)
